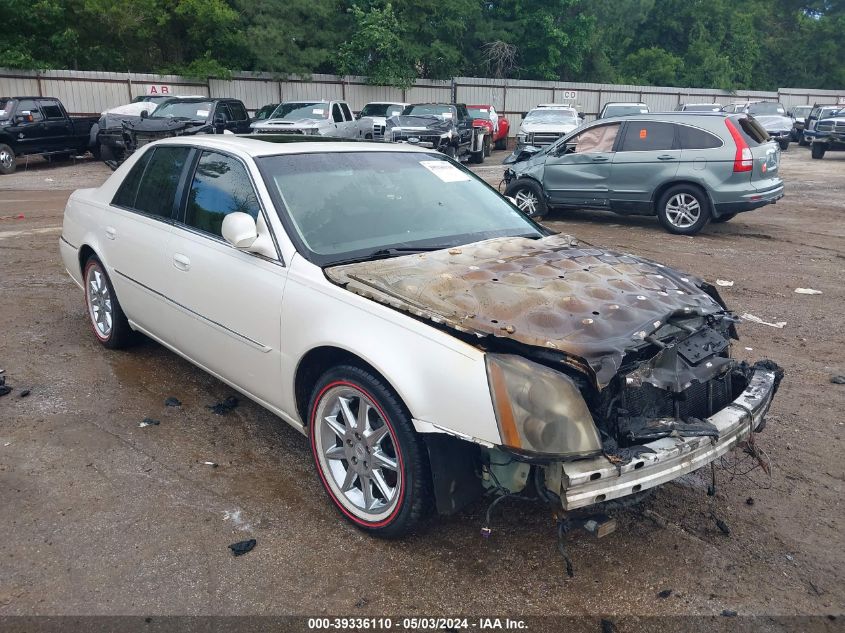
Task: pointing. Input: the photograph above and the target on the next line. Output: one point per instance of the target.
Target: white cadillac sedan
(432, 342)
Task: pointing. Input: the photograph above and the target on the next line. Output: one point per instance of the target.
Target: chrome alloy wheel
(6, 159)
(526, 201)
(683, 210)
(357, 453)
(99, 301)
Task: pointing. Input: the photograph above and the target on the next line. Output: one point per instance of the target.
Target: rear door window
(695, 138)
(238, 111)
(337, 115)
(157, 189)
(220, 186)
(128, 190)
(346, 112)
(52, 110)
(648, 136)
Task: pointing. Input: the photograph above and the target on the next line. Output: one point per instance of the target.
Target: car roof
(386, 103)
(256, 147)
(638, 103)
(562, 106)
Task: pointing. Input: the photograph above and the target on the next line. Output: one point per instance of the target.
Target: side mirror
(239, 229)
(220, 122)
(357, 116)
(145, 114)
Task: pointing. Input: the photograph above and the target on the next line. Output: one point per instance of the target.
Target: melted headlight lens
(540, 410)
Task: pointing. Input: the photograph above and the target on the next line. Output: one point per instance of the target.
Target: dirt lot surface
(103, 517)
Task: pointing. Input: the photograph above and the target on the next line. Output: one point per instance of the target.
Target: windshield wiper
(393, 251)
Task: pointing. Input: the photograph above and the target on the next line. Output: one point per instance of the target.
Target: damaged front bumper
(587, 482)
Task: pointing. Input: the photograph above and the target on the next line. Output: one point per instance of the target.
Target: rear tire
(683, 209)
(529, 197)
(105, 314)
(803, 142)
(502, 143)
(8, 160)
(817, 150)
(371, 462)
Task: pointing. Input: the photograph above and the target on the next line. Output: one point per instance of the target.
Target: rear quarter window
(150, 186)
(695, 138)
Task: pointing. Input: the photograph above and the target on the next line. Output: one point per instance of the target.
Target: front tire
(8, 161)
(683, 210)
(817, 150)
(370, 460)
(105, 314)
(784, 145)
(802, 141)
(529, 197)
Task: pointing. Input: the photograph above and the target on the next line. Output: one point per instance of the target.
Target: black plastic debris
(242, 547)
(749, 501)
(149, 422)
(729, 613)
(607, 626)
(837, 380)
(24, 393)
(4, 388)
(222, 408)
(665, 593)
(723, 526)
(172, 402)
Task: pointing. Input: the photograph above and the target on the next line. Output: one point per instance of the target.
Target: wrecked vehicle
(431, 341)
(545, 124)
(310, 118)
(687, 168)
(829, 135)
(372, 119)
(448, 128)
(122, 133)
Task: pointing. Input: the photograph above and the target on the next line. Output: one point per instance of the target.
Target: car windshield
(626, 109)
(826, 113)
(801, 113)
(430, 109)
(302, 110)
(382, 109)
(552, 115)
(479, 113)
(347, 206)
(5, 108)
(195, 110)
(766, 108)
(702, 107)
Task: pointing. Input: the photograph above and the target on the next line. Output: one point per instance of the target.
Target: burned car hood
(421, 122)
(590, 304)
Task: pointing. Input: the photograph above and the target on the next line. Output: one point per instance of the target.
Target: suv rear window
(648, 136)
(751, 131)
(694, 138)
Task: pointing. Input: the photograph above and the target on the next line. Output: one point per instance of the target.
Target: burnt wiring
(746, 462)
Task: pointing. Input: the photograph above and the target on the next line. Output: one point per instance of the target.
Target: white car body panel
(249, 320)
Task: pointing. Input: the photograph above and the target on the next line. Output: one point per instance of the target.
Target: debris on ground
(242, 547)
(4, 388)
(222, 408)
(172, 402)
(749, 501)
(722, 526)
(149, 422)
(212, 464)
(729, 613)
(807, 291)
(607, 626)
(755, 319)
(837, 380)
(724, 283)
(665, 593)
(361, 603)
(24, 393)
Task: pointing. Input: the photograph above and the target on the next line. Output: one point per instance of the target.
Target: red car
(484, 115)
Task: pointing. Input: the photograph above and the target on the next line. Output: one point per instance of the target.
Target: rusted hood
(589, 303)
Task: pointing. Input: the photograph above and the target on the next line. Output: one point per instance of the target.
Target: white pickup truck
(310, 117)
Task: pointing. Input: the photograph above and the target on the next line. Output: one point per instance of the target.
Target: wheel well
(84, 253)
(317, 362)
(658, 193)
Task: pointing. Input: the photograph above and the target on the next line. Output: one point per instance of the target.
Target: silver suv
(686, 168)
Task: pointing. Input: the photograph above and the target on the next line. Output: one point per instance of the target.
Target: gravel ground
(104, 517)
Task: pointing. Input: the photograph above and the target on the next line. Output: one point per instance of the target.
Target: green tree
(376, 49)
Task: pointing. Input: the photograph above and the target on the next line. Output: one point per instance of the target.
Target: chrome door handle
(665, 157)
(111, 232)
(600, 159)
(181, 262)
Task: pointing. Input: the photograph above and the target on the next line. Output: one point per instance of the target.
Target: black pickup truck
(40, 125)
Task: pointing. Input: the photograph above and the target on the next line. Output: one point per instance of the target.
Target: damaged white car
(432, 342)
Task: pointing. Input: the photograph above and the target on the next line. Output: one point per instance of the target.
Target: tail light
(743, 160)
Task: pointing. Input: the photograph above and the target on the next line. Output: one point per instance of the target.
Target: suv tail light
(743, 160)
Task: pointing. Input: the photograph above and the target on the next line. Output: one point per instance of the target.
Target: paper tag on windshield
(319, 111)
(483, 110)
(202, 113)
(446, 115)
(447, 172)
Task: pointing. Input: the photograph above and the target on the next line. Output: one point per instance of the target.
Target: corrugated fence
(90, 93)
